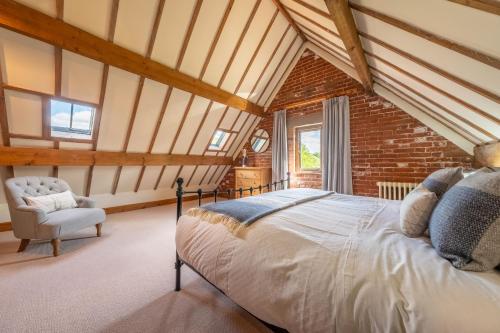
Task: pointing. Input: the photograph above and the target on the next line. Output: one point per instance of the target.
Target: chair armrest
(84, 202)
(32, 214)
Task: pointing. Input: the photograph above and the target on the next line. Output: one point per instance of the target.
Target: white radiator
(394, 190)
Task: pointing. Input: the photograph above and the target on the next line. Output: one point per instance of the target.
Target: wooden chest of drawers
(251, 176)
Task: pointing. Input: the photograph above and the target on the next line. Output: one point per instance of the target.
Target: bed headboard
(487, 155)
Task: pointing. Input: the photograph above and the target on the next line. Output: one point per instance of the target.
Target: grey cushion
(465, 225)
(67, 220)
(441, 180)
(415, 210)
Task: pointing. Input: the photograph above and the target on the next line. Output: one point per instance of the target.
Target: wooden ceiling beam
(271, 78)
(450, 112)
(489, 6)
(313, 22)
(312, 8)
(466, 84)
(450, 96)
(290, 20)
(430, 113)
(17, 156)
(342, 17)
(459, 48)
(34, 24)
(271, 57)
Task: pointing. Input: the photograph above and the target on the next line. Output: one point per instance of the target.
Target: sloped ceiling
(240, 46)
(437, 60)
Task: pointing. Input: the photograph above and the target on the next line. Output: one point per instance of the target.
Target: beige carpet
(121, 282)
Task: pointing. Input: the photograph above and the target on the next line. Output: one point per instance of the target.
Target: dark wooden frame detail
(202, 194)
(296, 145)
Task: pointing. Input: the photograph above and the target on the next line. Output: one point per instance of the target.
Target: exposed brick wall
(387, 144)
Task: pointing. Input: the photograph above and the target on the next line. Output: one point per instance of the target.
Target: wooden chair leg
(55, 246)
(23, 245)
(98, 228)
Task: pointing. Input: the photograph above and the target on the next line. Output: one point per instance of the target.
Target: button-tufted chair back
(20, 187)
(32, 222)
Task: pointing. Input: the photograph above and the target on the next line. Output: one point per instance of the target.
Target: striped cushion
(441, 180)
(465, 225)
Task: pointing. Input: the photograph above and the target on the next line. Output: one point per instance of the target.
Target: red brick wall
(387, 144)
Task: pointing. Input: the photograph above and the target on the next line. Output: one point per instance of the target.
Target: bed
(340, 264)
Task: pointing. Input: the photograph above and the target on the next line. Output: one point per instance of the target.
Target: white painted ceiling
(251, 56)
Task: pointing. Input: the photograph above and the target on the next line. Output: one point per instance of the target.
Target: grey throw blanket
(239, 213)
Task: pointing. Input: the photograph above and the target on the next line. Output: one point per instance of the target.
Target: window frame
(297, 153)
(221, 142)
(51, 128)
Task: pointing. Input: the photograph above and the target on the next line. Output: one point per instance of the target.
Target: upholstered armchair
(30, 222)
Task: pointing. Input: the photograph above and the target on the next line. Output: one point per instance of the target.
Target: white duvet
(340, 264)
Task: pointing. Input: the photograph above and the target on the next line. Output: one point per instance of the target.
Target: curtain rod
(306, 102)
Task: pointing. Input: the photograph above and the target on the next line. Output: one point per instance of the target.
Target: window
(71, 120)
(260, 141)
(218, 140)
(308, 148)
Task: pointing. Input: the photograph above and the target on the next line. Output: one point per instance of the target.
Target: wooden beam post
(342, 17)
(32, 23)
(21, 156)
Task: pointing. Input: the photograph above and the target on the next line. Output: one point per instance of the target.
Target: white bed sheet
(340, 264)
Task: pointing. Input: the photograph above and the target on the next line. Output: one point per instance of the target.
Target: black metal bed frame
(200, 193)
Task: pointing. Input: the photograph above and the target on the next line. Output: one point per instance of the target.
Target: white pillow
(52, 202)
(415, 211)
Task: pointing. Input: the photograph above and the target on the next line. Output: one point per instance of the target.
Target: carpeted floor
(121, 282)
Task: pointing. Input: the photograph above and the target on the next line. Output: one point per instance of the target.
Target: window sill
(308, 172)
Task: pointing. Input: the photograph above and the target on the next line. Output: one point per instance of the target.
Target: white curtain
(336, 146)
(279, 146)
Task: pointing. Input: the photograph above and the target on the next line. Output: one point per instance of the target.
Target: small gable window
(218, 140)
(308, 148)
(71, 120)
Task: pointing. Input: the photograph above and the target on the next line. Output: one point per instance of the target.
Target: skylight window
(218, 140)
(71, 120)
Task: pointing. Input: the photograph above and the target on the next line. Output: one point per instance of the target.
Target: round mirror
(260, 141)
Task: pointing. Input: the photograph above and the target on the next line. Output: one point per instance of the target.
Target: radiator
(394, 190)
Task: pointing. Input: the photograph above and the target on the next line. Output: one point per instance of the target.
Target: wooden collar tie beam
(34, 24)
(341, 15)
(16, 156)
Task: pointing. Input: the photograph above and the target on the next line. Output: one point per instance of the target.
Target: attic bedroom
(249, 166)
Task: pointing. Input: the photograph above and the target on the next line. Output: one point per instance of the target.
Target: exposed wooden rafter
(452, 97)
(328, 46)
(473, 54)
(290, 20)
(102, 93)
(249, 65)
(481, 91)
(32, 23)
(318, 36)
(313, 22)
(271, 78)
(220, 28)
(424, 109)
(430, 101)
(271, 57)
(152, 39)
(18, 156)
(224, 74)
(312, 8)
(285, 73)
(342, 17)
(489, 6)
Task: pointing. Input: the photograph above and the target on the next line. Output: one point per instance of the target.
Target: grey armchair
(29, 222)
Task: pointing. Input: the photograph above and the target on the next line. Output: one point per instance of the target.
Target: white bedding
(340, 264)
